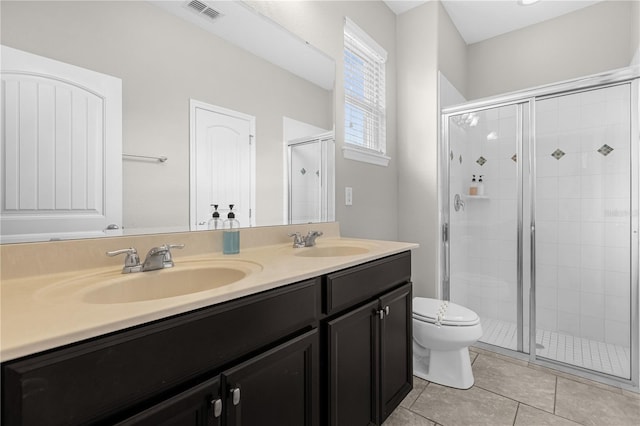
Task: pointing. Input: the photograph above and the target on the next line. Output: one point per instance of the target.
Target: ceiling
(480, 20)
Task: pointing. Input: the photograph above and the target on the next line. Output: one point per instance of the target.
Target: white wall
(598, 38)
(163, 62)
(417, 41)
(374, 213)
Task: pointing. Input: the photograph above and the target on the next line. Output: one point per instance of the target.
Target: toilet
(442, 334)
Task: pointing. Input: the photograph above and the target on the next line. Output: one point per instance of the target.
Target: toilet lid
(425, 309)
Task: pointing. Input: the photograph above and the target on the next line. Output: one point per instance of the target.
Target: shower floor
(590, 354)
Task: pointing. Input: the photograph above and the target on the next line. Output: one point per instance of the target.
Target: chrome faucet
(160, 257)
(308, 241)
(157, 258)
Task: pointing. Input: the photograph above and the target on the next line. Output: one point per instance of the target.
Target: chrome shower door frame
(527, 188)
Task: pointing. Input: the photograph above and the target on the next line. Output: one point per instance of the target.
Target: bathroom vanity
(324, 342)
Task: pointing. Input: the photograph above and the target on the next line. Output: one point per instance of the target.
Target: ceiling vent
(202, 9)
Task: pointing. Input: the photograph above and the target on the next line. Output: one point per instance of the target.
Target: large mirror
(167, 55)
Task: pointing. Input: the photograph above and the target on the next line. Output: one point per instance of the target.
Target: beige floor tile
(508, 358)
(418, 386)
(595, 406)
(403, 417)
(475, 406)
(569, 376)
(472, 356)
(515, 381)
(530, 416)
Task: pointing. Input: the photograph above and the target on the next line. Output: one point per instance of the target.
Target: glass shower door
(485, 220)
(583, 229)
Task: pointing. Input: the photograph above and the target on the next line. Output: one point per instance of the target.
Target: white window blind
(364, 81)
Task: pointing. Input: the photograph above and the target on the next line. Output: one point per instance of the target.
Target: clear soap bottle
(215, 222)
(231, 234)
(480, 186)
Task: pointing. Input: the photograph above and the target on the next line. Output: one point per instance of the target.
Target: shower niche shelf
(475, 197)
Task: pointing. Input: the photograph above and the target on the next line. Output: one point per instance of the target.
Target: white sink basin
(183, 279)
(331, 251)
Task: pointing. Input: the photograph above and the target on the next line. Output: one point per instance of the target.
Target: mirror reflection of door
(310, 179)
(222, 164)
(61, 151)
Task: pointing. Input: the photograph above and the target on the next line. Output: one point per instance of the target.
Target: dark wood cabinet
(278, 387)
(369, 347)
(353, 363)
(333, 350)
(396, 355)
(198, 406)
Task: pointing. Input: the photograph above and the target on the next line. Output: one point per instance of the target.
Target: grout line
(516, 416)
(555, 396)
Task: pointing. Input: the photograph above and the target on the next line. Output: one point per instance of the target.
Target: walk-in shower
(546, 252)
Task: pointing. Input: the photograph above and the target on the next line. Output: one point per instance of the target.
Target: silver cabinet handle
(386, 310)
(381, 313)
(217, 407)
(235, 396)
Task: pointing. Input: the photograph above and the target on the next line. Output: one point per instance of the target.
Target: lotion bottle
(473, 189)
(231, 234)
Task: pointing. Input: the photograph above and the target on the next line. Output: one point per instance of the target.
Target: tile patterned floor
(511, 392)
(591, 354)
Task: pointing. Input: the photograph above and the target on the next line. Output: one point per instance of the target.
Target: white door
(222, 164)
(61, 153)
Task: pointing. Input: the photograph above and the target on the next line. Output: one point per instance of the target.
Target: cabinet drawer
(345, 288)
(95, 379)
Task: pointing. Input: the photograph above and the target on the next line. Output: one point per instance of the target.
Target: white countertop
(38, 315)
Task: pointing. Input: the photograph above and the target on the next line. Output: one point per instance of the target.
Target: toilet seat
(443, 313)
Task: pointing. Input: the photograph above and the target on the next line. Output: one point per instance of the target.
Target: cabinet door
(396, 360)
(276, 388)
(198, 406)
(353, 367)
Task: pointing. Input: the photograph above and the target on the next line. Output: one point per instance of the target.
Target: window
(364, 87)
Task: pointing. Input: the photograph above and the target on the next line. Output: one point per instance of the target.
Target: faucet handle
(131, 262)
(168, 259)
(310, 239)
(298, 240)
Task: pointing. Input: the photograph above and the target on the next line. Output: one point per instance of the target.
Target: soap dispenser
(215, 222)
(231, 234)
(473, 189)
(480, 186)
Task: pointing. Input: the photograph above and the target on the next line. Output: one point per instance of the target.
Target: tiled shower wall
(582, 214)
(582, 203)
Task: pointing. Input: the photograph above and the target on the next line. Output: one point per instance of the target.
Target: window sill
(365, 156)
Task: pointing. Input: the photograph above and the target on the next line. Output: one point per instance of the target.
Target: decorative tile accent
(481, 160)
(557, 154)
(515, 158)
(605, 150)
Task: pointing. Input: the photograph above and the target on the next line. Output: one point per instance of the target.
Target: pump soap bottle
(215, 222)
(480, 186)
(231, 234)
(473, 189)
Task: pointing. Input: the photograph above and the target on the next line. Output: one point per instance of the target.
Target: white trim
(365, 156)
(352, 28)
